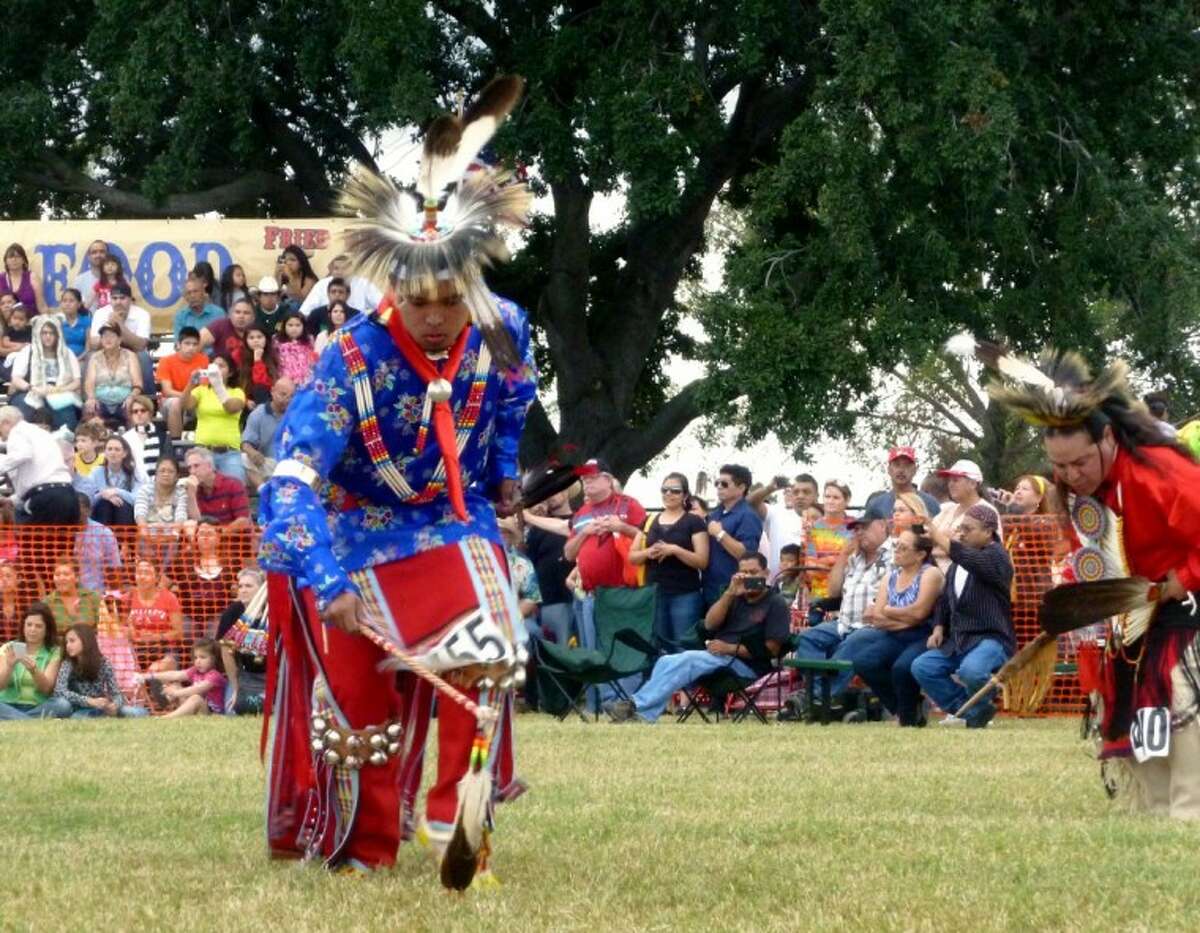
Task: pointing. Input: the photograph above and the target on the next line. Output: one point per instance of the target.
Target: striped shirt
(977, 600)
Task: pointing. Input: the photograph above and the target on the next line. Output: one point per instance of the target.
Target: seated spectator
(674, 551)
(218, 401)
(111, 275)
(204, 271)
(260, 366)
(71, 604)
(296, 274)
(748, 625)
(114, 487)
(787, 581)
(85, 283)
(205, 580)
(203, 690)
(14, 597)
(131, 321)
(854, 579)
(17, 278)
(965, 483)
(96, 551)
(733, 528)
(175, 374)
(146, 437)
(89, 449)
(29, 669)
(295, 348)
(522, 577)
(826, 541)
(898, 627)
(246, 669)
(338, 314)
(155, 615)
(45, 375)
(902, 470)
(16, 335)
(227, 335)
(338, 292)
(87, 686)
(74, 320)
(114, 377)
(908, 510)
(269, 312)
(972, 632)
(197, 311)
(214, 495)
(233, 285)
(356, 291)
(160, 510)
(8, 301)
(258, 437)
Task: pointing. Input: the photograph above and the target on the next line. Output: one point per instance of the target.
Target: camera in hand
(754, 584)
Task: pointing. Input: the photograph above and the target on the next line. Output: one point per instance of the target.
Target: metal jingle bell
(319, 724)
(522, 655)
(505, 682)
(332, 737)
(378, 758)
(519, 677)
(394, 730)
(332, 757)
(353, 762)
(318, 746)
(379, 740)
(486, 683)
(394, 748)
(353, 742)
(440, 390)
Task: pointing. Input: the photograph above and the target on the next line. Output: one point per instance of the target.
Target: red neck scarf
(443, 415)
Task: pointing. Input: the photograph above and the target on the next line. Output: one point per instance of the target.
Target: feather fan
(1024, 679)
(1074, 605)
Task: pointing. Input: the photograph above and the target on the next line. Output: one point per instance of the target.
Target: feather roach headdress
(1058, 392)
(422, 235)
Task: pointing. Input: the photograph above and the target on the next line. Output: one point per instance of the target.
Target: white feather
(474, 796)
(961, 344)
(1015, 368)
(439, 171)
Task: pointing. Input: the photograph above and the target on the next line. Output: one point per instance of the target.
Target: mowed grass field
(147, 825)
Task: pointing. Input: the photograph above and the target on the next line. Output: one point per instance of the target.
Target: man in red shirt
(228, 334)
(601, 533)
(214, 495)
(1134, 499)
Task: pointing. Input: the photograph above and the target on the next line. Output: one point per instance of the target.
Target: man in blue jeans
(972, 631)
(749, 626)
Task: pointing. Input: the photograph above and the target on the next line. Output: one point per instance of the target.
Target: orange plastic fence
(1040, 549)
(91, 574)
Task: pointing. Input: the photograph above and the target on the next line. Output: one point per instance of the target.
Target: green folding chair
(571, 671)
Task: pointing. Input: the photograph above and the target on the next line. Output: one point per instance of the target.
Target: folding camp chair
(570, 671)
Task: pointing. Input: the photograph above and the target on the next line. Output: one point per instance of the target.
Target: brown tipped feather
(443, 136)
(497, 99)
(459, 862)
(1074, 605)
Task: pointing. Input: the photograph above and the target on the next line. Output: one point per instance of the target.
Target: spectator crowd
(131, 461)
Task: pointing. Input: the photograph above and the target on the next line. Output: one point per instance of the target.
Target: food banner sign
(158, 254)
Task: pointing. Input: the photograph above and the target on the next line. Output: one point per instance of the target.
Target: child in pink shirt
(204, 692)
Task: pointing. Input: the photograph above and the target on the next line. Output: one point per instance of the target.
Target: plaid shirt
(860, 585)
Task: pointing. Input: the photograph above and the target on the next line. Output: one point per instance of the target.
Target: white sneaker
(953, 722)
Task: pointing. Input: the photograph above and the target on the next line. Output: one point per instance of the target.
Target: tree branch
(635, 447)
(63, 177)
(909, 422)
(475, 20)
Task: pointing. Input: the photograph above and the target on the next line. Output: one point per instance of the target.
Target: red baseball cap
(895, 453)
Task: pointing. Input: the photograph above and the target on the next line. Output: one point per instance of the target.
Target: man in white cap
(268, 311)
(965, 481)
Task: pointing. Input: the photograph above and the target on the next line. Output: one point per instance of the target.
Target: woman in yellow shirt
(218, 401)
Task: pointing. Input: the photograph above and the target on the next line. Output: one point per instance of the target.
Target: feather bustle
(1074, 605)
(443, 136)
